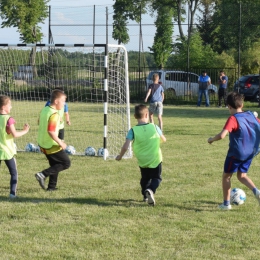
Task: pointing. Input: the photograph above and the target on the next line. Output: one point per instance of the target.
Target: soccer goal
(94, 78)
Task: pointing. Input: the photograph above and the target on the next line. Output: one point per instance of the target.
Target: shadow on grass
(197, 206)
(88, 201)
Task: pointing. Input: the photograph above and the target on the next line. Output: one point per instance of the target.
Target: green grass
(97, 212)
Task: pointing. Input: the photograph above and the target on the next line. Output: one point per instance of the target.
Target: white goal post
(94, 78)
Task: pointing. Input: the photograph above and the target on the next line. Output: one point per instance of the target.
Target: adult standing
(204, 82)
(222, 91)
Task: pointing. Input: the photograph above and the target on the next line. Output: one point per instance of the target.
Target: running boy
(244, 139)
(62, 112)
(156, 103)
(51, 145)
(146, 146)
(7, 146)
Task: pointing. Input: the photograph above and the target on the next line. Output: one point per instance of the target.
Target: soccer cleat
(40, 178)
(257, 195)
(224, 207)
(150, 197)
(12, 196)
(51, 189)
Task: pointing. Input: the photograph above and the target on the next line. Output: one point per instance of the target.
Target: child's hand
(26, 127)
(63, 145)
(210, 140)
(118, 158)
(68, 122)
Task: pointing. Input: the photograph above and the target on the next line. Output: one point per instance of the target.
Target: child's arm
(147, 95)
(20, 133)
(123, 149)
(55, 137)
(219, 136)
(163, 138)
(162, 96)
(67, 118)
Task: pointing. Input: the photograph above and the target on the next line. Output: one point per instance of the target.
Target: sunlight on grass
(98, 213)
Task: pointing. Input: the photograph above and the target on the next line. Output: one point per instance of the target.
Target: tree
(25, 15)
(226, 21)
(200, 56)
(125, 10)
(162, 45)
(205, 25)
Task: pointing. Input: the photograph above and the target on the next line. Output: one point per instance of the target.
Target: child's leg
(243, 178)
(160, 112)
(226, 186)
(58, 162)
(11, 165)
(155, 175)
(145, 180)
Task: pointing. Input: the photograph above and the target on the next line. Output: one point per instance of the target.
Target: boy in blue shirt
(156, 103)
(146, 140)
(244, 136)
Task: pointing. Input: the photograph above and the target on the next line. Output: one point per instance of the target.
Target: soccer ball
(237, 196)
(70, 150)
(30, 147)
(100, 152)
(90, 151)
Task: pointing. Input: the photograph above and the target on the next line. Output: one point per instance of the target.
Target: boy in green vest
(51, 145)
(146, 138)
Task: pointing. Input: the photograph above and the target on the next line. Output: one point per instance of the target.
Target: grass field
(98, 213)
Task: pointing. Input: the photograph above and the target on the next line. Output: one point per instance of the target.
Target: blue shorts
(233, 165)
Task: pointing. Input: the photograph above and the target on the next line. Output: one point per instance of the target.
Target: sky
(77, 11)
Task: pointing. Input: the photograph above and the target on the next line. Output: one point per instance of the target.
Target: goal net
(94, 78)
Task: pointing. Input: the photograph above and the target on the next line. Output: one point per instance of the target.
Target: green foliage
(25, 15)
(125, 10)
(226, 21)
(162, 46)
(200, 56)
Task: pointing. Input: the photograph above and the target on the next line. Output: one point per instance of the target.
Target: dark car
(248, 86)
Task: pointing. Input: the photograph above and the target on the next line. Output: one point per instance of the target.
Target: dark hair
(56, 93)
(3, 100)
(235, 100)
(140, 111)
(204, 71)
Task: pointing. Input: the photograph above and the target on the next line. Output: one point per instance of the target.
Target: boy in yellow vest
(7, 145)
(146, 138)
(51, 145)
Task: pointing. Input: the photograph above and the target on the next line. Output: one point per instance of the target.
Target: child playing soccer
(51, 145)
(62, 112)
(157, 96)
(244, 139)
(7, 146)
(146, 139)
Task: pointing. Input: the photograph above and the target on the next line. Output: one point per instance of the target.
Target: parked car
(248, 86)
(180, 83)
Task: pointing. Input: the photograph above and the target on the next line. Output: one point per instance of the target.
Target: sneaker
(12, 196)
(51, 189)
(223, 207)
(40, 178)
(150, 197)
(145, 199)
(257, 195)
